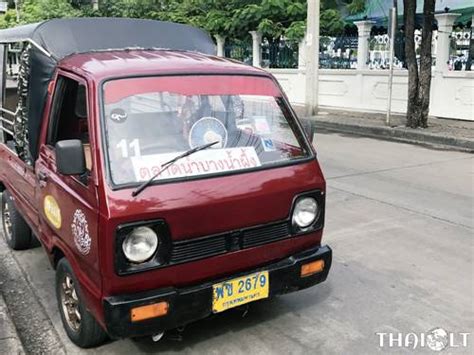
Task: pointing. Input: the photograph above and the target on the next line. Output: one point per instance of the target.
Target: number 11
(134, 145)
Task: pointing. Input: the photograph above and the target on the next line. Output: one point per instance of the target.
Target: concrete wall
(452, 93)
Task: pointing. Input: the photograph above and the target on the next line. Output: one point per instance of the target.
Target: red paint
(191, 209)
(190, 85)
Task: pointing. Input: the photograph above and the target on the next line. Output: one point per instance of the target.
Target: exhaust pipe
(157, 337)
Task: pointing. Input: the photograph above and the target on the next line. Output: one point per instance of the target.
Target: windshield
(151, 120)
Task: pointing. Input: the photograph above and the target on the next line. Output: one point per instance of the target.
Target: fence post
(302, 54)
(469, 64)
(256, 48)
(363, 29)
(445, 28)
(220, 45)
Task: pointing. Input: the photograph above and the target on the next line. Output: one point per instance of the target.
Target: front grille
(265, 235)
(196, 249)
(193, 249)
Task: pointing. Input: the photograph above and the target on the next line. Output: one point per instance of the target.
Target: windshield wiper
(166, 165)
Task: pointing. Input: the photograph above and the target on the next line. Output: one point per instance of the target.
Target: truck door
(68, 205)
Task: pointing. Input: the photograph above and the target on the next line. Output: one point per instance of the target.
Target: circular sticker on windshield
(208, 130)
(118, 115)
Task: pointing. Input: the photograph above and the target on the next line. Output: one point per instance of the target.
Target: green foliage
(232, 18)
(296, 31)
(130, 8)
(9, 19)
(331, 22)
(39, 10)
(356, 6)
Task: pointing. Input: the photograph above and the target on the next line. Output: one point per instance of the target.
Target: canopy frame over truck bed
(50, 41)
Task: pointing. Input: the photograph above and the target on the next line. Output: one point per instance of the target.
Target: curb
(399, 135)
(9, 340)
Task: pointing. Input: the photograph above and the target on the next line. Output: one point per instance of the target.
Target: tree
(8, 19)
(235, 18)
(39, 10)
(128, 8)
(232, 18)
(419, 77)
(356, 6)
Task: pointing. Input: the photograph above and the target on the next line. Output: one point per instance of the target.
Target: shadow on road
(233, 321)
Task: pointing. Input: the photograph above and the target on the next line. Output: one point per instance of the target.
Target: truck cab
(164, 183)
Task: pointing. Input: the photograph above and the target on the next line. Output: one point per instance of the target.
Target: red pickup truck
(164, 183)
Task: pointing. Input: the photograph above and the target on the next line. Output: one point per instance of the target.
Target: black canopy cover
(63, 37)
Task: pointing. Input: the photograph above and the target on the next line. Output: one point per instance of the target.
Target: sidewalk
(442, 133)
(9, 341)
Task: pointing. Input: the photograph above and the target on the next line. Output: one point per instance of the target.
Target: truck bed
(20, 181)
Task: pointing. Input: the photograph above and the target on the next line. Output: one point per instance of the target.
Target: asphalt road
(400, 222)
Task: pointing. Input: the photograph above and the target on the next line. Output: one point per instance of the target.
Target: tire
(85, 333)
(16, 232)
(35, 242)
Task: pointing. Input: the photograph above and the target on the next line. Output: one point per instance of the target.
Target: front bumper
(193, 303)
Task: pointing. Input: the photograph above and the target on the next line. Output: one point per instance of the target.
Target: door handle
(42, 178)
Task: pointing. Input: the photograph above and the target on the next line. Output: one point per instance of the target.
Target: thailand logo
(80, 231)
(437, 339)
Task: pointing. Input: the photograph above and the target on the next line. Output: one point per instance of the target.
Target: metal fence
(239, 51)
(281, 54)
(341, 52)
(461, 51)
(338, 52)
(379, 51)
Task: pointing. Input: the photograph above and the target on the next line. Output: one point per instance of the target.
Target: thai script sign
(209, 161)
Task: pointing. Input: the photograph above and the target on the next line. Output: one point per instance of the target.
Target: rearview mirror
(70, 158)
(309, 129)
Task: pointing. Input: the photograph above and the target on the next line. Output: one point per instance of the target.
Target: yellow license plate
(236, 292)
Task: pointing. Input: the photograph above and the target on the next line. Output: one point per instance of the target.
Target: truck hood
(219, 204)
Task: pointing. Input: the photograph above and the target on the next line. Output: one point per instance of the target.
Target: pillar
(256, 48)
(312, 58)
(445, 28)
(220, 45)
(363, 28)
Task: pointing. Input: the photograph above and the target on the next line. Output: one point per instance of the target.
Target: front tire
(80, 325)
(17, 233)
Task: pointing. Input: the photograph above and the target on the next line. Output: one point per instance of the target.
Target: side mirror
(70, 158)
(309, 129)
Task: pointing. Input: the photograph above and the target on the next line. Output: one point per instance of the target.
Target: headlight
(140, 244)
(305, 212)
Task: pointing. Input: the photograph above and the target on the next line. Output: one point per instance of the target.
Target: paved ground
(453, 134)
(461, 129)
(400, 221)
(9, 340)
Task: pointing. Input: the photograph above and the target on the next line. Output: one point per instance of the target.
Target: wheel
(80, 325)
(17, 232)
(35, 243)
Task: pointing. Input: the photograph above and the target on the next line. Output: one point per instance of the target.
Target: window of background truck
(69, 115)
(151, 120)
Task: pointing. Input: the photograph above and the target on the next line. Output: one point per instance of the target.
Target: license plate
(236, 292)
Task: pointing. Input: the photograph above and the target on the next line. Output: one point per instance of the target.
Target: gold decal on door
(52, 211)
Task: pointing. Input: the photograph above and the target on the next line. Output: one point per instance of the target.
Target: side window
(69, 115)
